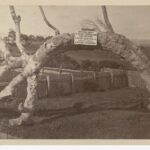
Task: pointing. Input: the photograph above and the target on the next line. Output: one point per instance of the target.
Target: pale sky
(132, 21)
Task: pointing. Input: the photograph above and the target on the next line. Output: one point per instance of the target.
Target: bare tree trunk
(31, 80)
(106, 19)
(38, 60)
(17, 20)
(28, 107)
(47, 22)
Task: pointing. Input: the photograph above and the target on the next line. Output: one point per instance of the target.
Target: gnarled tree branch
(17, 20)
(106, 19)
(31, 80)
(47, 22)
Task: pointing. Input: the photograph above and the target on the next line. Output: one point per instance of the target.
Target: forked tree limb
(32, 81)
(47, 22)
(27, 107)
(106, 19)
(17, 20)
(9, 62)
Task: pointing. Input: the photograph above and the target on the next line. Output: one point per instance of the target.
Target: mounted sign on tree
(85, 37)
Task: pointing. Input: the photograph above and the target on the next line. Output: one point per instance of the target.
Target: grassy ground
(117, 114)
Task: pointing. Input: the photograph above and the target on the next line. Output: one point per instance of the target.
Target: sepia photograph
(74, 72)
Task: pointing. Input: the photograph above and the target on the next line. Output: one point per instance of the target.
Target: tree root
(24, 119)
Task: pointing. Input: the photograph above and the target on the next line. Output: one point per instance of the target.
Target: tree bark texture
(47, 22)
(106, 19)
(15, 62)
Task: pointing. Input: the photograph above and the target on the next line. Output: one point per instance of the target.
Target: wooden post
(48, 84)
(72, 82)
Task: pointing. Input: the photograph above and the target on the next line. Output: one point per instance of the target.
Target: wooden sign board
(85, 37)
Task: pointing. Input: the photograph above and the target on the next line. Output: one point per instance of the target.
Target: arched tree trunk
(116, 43)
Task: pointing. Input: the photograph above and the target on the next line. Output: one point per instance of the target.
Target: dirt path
(117, 114)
